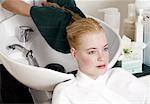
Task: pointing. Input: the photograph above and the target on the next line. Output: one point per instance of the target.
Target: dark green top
(52, 22)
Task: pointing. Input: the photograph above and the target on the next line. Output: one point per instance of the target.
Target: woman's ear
(73, 52)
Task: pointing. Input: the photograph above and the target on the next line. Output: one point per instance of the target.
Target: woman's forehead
(94, 37)
(93, 40)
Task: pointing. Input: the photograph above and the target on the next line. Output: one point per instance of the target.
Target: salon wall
(91, 7)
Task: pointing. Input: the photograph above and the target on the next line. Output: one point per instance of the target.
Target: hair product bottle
(112, 18)
(146, 38)
(129, 22)
(139, 31)
(139, 27)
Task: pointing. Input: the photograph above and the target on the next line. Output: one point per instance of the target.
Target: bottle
(112, 18)
(146, 39)
(139, 27)
(139, 32)
(129, 22)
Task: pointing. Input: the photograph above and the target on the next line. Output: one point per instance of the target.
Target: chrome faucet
(19, 47)
(24, 32)
(28, 53)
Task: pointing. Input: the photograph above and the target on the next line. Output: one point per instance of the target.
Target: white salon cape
(115, 87)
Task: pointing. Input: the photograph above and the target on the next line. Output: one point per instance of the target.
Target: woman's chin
(102, 70)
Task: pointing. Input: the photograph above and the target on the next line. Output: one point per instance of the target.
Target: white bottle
(129, 22)
(140, 31)
(146, 39)
(139, 27)
(112, 18)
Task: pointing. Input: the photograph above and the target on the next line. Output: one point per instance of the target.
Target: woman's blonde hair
(80, 27)
(77, 26)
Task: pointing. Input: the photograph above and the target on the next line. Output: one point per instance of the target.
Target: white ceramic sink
(15, 62)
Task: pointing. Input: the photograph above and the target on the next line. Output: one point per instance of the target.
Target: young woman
(94, 83)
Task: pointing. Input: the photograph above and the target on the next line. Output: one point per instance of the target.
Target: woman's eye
(91, 52)
(106, 49)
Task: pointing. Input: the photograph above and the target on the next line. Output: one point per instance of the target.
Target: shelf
(145, 69)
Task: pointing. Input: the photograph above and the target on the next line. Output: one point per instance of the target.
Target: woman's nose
(100, 56)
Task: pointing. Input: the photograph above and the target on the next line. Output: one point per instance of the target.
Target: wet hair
(80, 28)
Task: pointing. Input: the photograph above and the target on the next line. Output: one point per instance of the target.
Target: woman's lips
(101, 66)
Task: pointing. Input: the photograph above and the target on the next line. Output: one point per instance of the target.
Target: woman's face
(92, 54)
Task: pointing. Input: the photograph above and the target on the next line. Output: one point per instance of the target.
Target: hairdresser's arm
(17, 6)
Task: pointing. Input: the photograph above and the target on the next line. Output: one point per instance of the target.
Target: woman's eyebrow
(90, 48)
(96, 48)
(105, 45)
